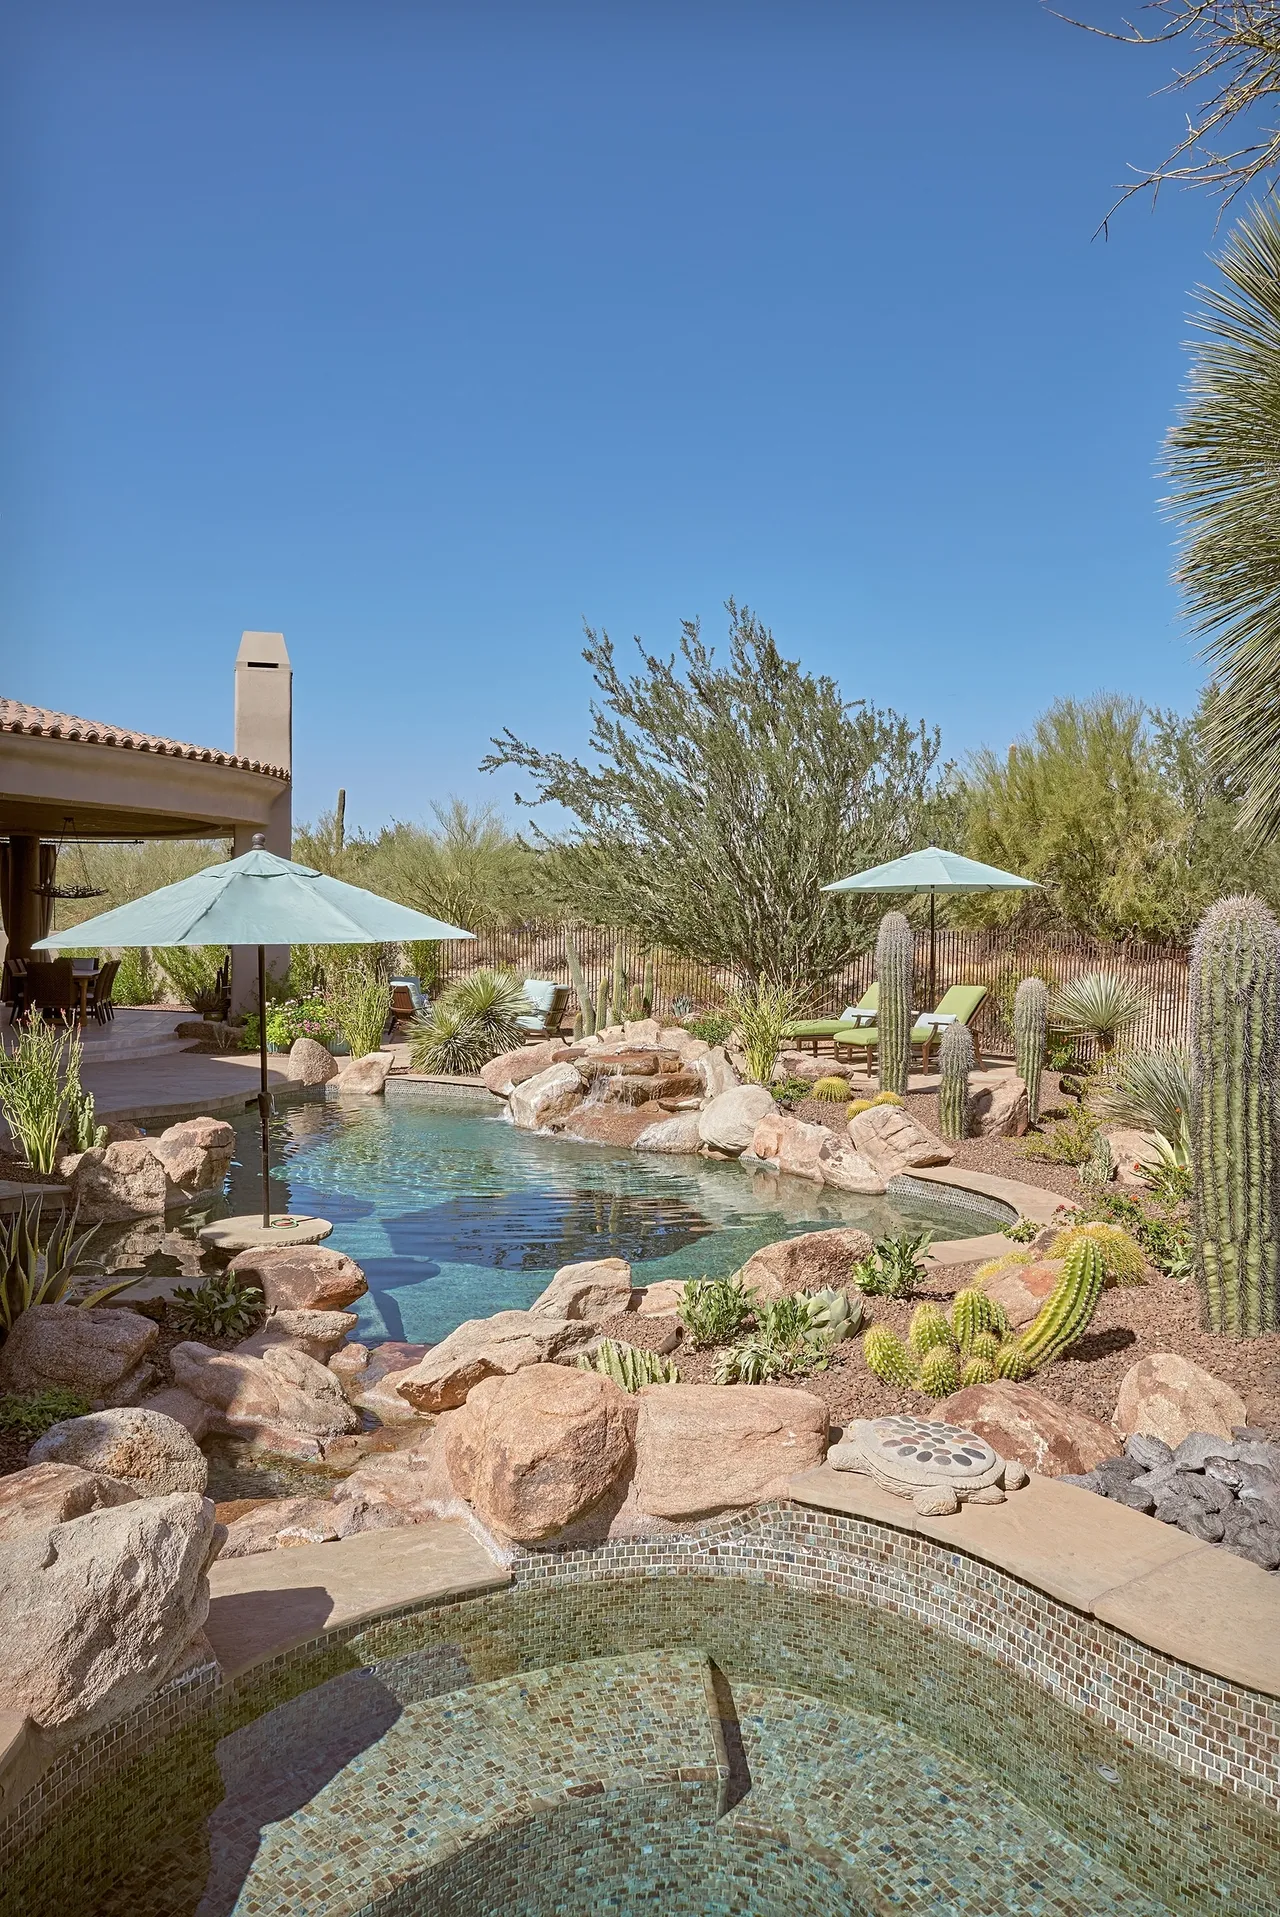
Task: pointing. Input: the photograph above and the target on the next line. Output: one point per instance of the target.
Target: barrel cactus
(955, 1062)
(1030, 1026)
(1235, 1115)
(889, 1358)
(831, 1090)
(895, 962)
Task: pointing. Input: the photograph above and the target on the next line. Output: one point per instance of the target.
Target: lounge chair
(807, 1031)
(958, 1004)
(408, 1000)
(548, 1001)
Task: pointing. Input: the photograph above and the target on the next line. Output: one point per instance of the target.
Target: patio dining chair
(958, 1004)
(100, 997)
(13, 987)
(808, 1031)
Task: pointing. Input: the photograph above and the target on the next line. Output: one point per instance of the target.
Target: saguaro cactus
(895, 958)
(618, 1008)
(646, 998)
(602, 1004)
(955, 1062)
(1235, 1114)
(1030, 1024)
(586, 1009)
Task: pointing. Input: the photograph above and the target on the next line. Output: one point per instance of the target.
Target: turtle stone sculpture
(938, 1466)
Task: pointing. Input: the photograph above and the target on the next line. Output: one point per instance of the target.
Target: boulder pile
(137, 1177)
(1221, 1490)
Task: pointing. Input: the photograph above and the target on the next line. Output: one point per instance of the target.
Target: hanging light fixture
(85, 889)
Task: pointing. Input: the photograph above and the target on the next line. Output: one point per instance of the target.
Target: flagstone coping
(1193, 1601)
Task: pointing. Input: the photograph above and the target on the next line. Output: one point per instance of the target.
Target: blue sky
(422, 332)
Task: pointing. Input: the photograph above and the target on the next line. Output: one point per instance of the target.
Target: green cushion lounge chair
(548, 1001)
(807, 1031)
(958, 1002)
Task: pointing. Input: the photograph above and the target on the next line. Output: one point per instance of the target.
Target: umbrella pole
(264, 1097)
(933, 952)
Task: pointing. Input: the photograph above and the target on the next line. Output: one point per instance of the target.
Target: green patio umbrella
(933, 871)
(257, 899)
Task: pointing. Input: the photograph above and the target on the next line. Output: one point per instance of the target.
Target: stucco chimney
(264, 731)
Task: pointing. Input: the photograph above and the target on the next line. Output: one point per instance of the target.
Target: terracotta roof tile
(17, 717)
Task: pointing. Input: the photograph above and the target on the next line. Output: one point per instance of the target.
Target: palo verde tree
(724, 796)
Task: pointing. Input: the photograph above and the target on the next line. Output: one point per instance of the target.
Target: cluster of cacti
(1235, 1115)
(832, 1090)
(602, 1004)
(628, 1366)
(618, 1002)
(1030, 1027)
(857, 1105)
(955, 1062)
(975, 1344)
(584, 1023)
(895, 963)
(1123, 1259)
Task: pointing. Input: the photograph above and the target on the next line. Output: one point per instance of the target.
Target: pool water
(452, 1213)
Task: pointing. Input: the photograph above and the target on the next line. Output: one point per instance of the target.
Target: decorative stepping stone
(938, 1466)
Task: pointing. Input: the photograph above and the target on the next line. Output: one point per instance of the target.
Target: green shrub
(472, 1022)
(713, 1028)
(1022, 1230)
(895, 1265)
(1068, 1142)
(222, 1307)
(192, 971)
(1122, 1259)
(760, 1013)
(137, 982)
(791, 1091)
(712, 1310)
(793, 1337)
(29, 1414)
(359, 999)
(41, 1096)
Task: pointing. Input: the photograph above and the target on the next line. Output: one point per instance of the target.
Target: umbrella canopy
(934, 871)
(257, 899)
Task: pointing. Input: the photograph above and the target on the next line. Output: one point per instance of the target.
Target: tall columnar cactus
(1235, 1115)
(646, 989)
(889, 1358)
(1030, 1025)
(895, 960)
(955, 1062)
(581, 989)
(602, 1004)
(1066, 1312)
(618, 1007)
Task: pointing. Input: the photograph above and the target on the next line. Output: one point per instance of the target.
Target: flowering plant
(292, 1019)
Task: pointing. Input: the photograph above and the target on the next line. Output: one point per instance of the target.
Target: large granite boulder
(677, 1133)
(1169, 1397)
(716, 1070)
(97, 1611)
(319, 1333)
(894, 1143)
(998, 1105)
(728, 1122)
(196, 1156)
(485, 1347)
(509, 1069)
(311, 1063)
(46, 1494)
(301, 1277)
(1023, 1289)
(533, 1451)
(815, 1261)
(551, 1093)
(368, 1378)
(847, 1170)
(192, 1414)
(598, 1288)
(282, 1401)
(707, 1448)
(789, 1143)
(364, 1077)
(1021, 1422)
(101, 1352)
(143, 1449)
(113, 1183)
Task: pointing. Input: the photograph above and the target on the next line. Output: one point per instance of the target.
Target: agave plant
(1151, 1091)
(1098, 1005)
(471, 1023)
(35, 1274)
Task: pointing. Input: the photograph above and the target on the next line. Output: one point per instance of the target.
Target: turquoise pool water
(455, 1214)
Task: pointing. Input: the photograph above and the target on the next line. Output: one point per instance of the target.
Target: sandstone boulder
(319, 1333)
(279, 1524)
(101, 1352)
(191, 1413)
(532, 1451)
(1134, 1156)
(707, 1448)
(1169, 1397)
(95, 1612)
(642, 1031)
(1021, 1422)
(598, 1288)
(549, 1094)
(364, 1077)
(1023, 1289)
(485, 1347)
(789, 1143)
(46, 1494)
(301, 1277)
(415, 1481)
(997, 1105)
(814, 1261)
(113, 1183)
(196, 1156)
(282, 1401)
(151, 1453)
(728, 1122)
(894, 1143)
(311, 1063)
(617, 1125)
(847, 1170)
(716, 1071)
(677, 1133)
(509, 1069)
(661, 1300)
(373, 1389)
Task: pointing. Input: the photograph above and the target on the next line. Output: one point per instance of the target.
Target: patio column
(264, 731)
(25, 911)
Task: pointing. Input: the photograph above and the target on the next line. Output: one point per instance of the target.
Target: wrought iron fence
(993, 957)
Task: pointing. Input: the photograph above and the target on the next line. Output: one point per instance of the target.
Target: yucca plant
(1098, 1005)
(472, 1022)
(1151, 1090)
(761, 1012)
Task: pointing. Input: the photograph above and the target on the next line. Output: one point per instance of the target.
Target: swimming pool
(453, 1213)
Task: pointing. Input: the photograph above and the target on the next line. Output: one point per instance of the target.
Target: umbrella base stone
(248, 1233)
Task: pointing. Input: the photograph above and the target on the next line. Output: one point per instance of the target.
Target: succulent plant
(979, 1368)
(1066, 1312)
(1030, 1026)
(986, 1345)
(889, 1358)
(1123, 1260)
(834, 1311)
(972, 1314)
(618, 1001)
(955, 1062)
(1235, 1115)
(940, 1371)
(602, 1003)
(1012, 1362)
(1099, 1168)
(628, 1366)
(929, 1329)
(832, 1090)
(895, 963)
